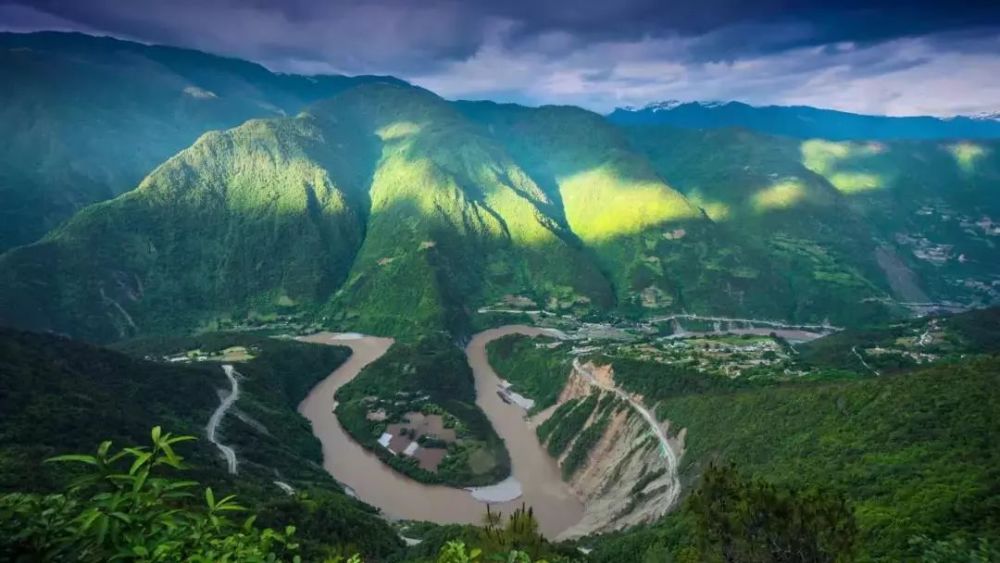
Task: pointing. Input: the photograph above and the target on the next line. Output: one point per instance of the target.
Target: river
(398, 496)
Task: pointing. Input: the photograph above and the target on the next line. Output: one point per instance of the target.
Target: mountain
(651, 261)
(804, 122)
(158, 196)
(381, 207)
(94, 115)
(912, 217)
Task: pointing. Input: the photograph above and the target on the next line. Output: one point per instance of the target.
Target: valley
(401, 326)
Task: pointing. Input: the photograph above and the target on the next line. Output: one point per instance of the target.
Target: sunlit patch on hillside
(966, 155)
(856, 182)
(781, 195)
(821, 156)
(825, 157)
(839, 163)
(716, 210)
(284, 187)
(601, 205)
(398, 130)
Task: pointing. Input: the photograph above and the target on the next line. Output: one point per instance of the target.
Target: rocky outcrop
(628, 478)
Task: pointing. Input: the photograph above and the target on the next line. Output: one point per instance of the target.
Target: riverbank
(397, 496)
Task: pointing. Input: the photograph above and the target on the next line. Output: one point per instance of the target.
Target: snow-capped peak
(986, 116)
(673, 104)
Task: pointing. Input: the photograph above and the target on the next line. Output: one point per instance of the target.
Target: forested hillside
(94, 115)
(910, 450)
(914, 218)
(911, 453)
(386, 209)
(60, 396)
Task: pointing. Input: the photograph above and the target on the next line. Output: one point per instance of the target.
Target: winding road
(220, 411)
(666, 449)
(764, 322)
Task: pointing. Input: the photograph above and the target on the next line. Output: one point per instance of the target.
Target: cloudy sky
(876, 56)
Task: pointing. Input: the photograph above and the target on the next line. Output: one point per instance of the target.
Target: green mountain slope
(911, 452)
(663, 241)
(245, 220)
(94, 115)
(383, 208)
(453, 222)
(908, 219)
(382, 205)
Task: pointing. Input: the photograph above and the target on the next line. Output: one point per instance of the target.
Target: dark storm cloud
(595, 53)
(444, 29)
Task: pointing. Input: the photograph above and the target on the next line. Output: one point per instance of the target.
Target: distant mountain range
(159, 190)
(805, 122)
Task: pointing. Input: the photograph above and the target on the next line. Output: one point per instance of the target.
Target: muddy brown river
(399, 496)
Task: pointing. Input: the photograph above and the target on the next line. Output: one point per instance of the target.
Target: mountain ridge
(384, 208)
(95, 115)
(807, 121)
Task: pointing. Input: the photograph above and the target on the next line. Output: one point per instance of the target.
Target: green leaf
(156, 434)
(140, 480)
(123, 517)
(102, 528)
(210, 498)
(103, 449)
(141, 459)
(177, 439)
(80, 458)
(88, 521)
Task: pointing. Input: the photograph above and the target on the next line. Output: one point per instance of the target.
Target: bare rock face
(628, 478)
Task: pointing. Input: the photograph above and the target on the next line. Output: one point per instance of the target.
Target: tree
(745, 521)
(122, 509)
(956, 550)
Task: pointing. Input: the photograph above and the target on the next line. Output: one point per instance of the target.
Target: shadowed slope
(385, 187)
(454, 221)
